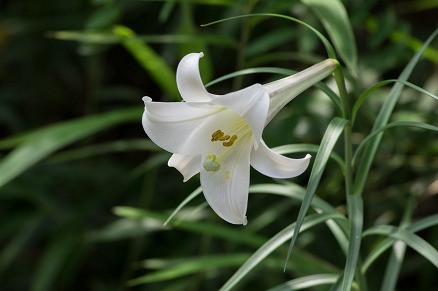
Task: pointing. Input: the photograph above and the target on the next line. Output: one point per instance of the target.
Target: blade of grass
(332, 133)
(355, 213)
(190, 266)
(52, 262)
(272, 244)
(335, 20)
(104, 148)
(216, 230)
(364, 168)
(386, 243)
(189, 198)
(382, 119)
(338, 227)
(373, 88)
(379, 131)
(159, 71)
(330, 51)
(42, 142)
(395, 261)
(414, 241)
(306, 282)
(17, 244)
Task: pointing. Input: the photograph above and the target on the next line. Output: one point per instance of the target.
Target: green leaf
(108, 37)
(52, 262)
(335, 19)
(217, 230)
(190, 266)
(382, 119)
(338, 227)
(276, 241)
(377, 133)
(105, 148)
(415, 242)
(373, 88)
(162, 74)
(12, 249)
(328, 142)
(355, 213)
(42, 142)
(183, 203)
(306, 282)
(424, 223)
(330, 51)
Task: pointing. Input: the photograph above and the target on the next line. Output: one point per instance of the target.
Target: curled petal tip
(146, 99)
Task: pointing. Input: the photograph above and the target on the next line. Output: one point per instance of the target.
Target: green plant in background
(349, 221)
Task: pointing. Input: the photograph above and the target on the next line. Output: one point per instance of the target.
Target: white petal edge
(271, 164)
(226, 190)
(179, 127)
(188, 79)
(252, 104)
(188, 166)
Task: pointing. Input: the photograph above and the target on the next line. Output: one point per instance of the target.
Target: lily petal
(284, 90)
(176, 127)
(271, 164)
(189, 80)
(252, 104)
(226, 190)
(187, 165)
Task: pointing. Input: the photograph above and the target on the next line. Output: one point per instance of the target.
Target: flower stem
(354, 202)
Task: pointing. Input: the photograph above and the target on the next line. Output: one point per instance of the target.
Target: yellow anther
(216, 135)
(220, 135)
(223, 138)
(231, 141)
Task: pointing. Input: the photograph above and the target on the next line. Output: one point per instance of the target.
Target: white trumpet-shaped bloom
(220, 136)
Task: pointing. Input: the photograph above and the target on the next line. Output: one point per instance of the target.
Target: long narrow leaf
(45, 141)
(162, 74)
(216, 230)
(339, 227)
(395, 261)
(370, 138)
(386, 243)
(328, 142)
(183, 203)
(276, 241)
(355, 213)
(335, 19)
(306, 282)
(383, 117)
(373, 88)
(191, 266)
(329, 48)
(414, 241)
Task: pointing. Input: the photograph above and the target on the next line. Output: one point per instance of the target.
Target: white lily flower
(220, 136)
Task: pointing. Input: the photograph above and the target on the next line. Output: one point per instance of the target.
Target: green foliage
(88, 203)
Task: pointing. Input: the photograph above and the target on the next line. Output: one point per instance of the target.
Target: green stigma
(210, 164)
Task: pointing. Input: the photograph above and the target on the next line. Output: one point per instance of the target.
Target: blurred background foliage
(72, 147)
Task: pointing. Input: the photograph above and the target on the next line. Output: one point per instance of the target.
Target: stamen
(230, 142)
(223, 138)
(220, 135)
